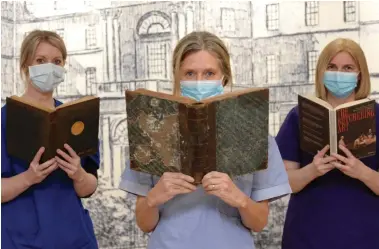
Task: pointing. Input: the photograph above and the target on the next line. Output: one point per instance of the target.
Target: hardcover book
(30, 126)
(352, 124)
(227, 133)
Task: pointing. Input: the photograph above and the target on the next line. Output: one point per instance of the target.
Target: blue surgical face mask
(46, 77)
(340, 84)
(201, 89)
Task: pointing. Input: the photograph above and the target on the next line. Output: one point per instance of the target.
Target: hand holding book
(220, 185)
(170, 185)
(37, 172)
(322, 164)
(349, 165)
(71, 163)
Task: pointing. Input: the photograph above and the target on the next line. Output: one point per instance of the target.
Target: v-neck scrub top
(333, 211)
(202, 221)
(48, 215)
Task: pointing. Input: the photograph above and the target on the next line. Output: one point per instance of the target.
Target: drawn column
(117, 59)
(181, 24)
(174, 26)
(107, 162)
(189, 24)
(105, 45)
(111, 49)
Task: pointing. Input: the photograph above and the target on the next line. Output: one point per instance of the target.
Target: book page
(30, 103)
(318, 101)
(77, 101)
(357, 102)
(233, 94)
(356, 128)
(314, 122)
(159, 95)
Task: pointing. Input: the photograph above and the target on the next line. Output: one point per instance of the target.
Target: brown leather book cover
(30, 127)
(353, 124)
(227, 133)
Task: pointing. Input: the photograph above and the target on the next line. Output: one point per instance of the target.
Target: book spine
(198, 131)
(51, 151)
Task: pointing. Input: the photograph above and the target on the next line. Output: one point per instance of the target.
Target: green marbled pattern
(242, 133)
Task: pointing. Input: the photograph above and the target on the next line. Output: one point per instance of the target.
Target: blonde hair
(198, 41)
(30, 44)
(327, 54)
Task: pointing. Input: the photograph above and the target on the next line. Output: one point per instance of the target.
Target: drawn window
(312, 61)
(272, 16)
(91, 37)
(311, 13)
(60, 32)
(228, 19)
(274, 119)
(91, 80)
(156, 60)
(349, 11)
(154, 24)
(121, 133)
(272, 70)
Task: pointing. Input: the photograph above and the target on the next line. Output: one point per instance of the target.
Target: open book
(30, 126)
(227, 133)
(352, 124)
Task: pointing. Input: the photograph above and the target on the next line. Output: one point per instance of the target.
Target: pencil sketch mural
(113, 46)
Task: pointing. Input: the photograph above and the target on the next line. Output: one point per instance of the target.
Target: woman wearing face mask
(335, 202)
(40, 203)
(221, 212)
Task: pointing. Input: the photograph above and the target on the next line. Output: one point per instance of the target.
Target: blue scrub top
(47, 215)
(202, 221)
(333, 211)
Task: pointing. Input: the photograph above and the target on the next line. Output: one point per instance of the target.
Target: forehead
(342, 58)
(47, 50)
(200, 60)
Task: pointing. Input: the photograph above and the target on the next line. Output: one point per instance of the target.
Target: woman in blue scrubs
(40, 203)
(335, 201)
(221, 212)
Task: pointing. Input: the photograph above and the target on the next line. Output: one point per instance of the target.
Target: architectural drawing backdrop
(118, 45)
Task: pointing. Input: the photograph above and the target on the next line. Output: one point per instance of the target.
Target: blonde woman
(221, 212)
(40, 203)
(335, 202)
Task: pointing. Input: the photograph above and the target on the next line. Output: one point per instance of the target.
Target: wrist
(312, 171)
(81, 176)
(150, 201)
(243, 202)
(28, 179)
(366, 174)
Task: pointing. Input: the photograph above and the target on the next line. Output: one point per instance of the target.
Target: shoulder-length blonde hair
(30, 44)
(198, 41)
(332, 49)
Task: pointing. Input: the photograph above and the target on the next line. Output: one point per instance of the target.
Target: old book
(227, 133)
(352, 124)
(31, 126)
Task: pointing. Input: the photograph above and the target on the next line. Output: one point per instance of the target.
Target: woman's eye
(210, 74)
(189, 73)
(58, 62)
(39, 60)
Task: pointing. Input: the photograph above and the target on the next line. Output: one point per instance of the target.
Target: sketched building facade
(117, 45)
(288, 37)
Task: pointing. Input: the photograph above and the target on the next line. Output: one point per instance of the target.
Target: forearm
(86, 185)
(254, 214)
(370, 178)
(299, 178)
(147, 216)
(13, 186)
